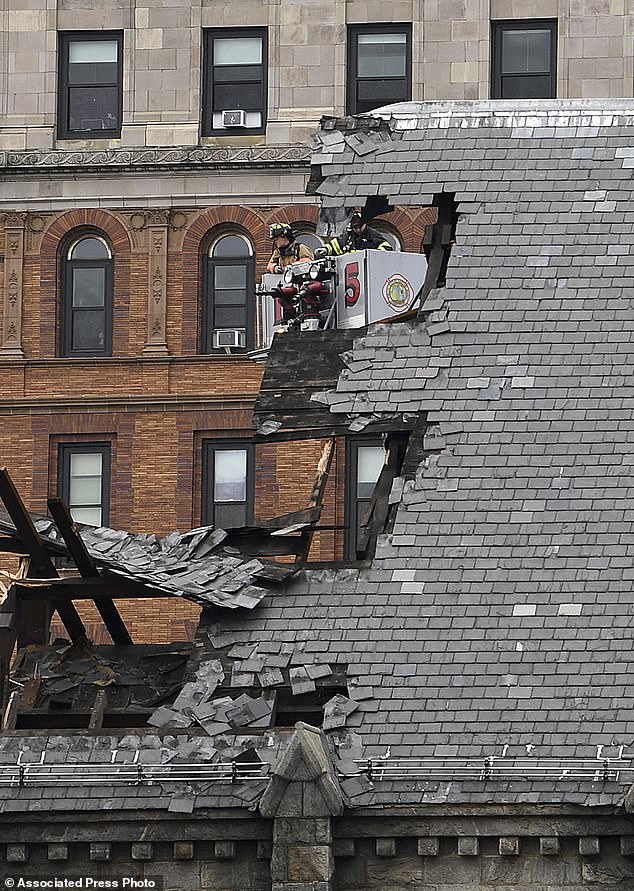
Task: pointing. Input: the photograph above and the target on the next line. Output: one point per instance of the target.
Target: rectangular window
(366, 457)
(235, 81)
(84, 481)
(524, 59)
(379, 66)
(90, 84)
(228, 484)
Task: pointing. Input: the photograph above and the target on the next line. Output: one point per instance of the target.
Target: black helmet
(356, 221)
(278, 229)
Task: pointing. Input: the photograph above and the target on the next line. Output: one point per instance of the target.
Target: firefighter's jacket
(296, 252)
(368, 240)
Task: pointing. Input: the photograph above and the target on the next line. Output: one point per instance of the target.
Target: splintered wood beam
(98, 709)
(40, 561)
(78, 551)
(35, 624)
(10, 716)
(87, 567)
(317, 497)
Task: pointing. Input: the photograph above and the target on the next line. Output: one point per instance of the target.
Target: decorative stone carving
(14, 218)
(137, 221)
(12, 328)
(232, 156)
(36, 226)
(178, 220)
(156, 344)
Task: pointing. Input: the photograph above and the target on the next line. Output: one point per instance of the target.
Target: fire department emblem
(397, 292)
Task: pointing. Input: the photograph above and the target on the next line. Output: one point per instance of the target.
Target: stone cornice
(151, 159)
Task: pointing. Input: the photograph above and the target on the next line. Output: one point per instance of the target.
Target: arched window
(229, 294)
(87, 296)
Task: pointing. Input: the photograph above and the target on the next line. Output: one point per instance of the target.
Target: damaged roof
(495, 620)
(195, 565)
(490, 639)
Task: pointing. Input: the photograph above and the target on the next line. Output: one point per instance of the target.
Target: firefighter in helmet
(357, 237)
(285, 249)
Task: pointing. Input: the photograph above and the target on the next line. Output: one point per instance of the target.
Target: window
(235, 81)
(524, 59)
(87, 296)
(84, 481)
(379, 66)
(228, 484)
(229, 294)
(90, 79)
(366, 457)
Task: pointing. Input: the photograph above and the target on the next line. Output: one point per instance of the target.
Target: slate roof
(496, 618)
(493, 627)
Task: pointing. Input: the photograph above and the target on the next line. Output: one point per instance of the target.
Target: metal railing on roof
(16, 775)
(492, 768)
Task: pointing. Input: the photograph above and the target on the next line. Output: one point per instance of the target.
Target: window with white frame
(84, 481)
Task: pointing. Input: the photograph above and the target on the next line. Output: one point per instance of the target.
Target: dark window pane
(93, 73)
(381, 92)
(230, 317)
(88, 330)
(228, 516)
(230, 276)
(525, 52)
(382, 55)
(246, 96)
(93, 108)
(238, 73)
(89, 286)
(229, 297)
(535, 86)
(89, 249)
(231, 246)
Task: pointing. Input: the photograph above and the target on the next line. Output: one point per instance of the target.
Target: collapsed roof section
(488, 647)
(194, 565)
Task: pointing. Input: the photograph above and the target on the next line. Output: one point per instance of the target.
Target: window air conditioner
(229, 337)
(236, 118)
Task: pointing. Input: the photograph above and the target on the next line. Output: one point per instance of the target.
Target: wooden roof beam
(34, 623)
(88, 568)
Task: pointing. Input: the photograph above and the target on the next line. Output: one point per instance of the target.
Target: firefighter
(358, 237)
(286, 250)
